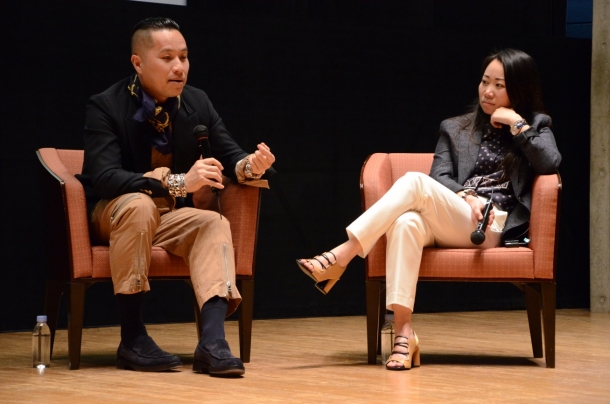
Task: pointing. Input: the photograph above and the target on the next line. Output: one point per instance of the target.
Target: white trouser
(417, 212)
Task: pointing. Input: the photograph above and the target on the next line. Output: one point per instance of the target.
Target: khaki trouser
(131, 224)
(417, 212)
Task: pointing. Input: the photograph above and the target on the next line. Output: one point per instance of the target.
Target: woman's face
(492, 89)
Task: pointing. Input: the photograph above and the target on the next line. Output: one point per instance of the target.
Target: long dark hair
(524, 92)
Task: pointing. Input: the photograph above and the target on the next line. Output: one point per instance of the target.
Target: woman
(493, 152)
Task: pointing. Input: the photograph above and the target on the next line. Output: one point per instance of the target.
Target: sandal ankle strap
(402, 344)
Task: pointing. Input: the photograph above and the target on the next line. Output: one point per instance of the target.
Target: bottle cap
(41, 319)
(389, 317)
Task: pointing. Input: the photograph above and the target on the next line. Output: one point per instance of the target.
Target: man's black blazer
(117, 153)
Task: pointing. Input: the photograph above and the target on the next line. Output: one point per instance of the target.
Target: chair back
(381, 170)
(403, 163)
(67, 218)
(72, 160)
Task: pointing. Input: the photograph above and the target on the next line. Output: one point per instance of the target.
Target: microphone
(201, 133)
(478, 235)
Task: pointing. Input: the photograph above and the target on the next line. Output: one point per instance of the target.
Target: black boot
(137, 350)
(213, 354)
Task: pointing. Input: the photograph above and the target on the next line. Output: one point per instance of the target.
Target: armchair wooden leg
(373, 293)
(382, 312)
(52, 301)
(76, 311)
(532, 304)
(246, 311)
(549, 302)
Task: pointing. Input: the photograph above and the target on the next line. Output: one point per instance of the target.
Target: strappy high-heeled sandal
(327, 276)
(411, 356)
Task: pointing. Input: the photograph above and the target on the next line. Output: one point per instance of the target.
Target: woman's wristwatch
(516, 127)
(469, 192)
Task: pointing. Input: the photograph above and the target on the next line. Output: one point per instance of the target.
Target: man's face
(163, 67)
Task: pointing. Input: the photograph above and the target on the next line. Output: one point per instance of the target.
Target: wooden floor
(482, 357)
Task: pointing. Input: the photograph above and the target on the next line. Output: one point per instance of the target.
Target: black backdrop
(324, 83)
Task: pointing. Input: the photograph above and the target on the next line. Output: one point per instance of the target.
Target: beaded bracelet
(175, 185)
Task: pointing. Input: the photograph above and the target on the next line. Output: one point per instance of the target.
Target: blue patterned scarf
(159, 116)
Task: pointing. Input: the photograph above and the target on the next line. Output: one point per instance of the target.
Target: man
(142, 164)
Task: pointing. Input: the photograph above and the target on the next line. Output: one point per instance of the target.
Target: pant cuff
(402, 300)
(126, 287)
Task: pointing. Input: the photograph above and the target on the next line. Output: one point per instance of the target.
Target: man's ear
(136, 61)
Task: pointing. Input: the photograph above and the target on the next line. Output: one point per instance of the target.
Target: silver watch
(248, 171)
(516, 127)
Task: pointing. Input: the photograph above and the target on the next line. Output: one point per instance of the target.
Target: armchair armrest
(379, 173)
(544, 221)
(240, 205)
(62, 188)
(375, 179)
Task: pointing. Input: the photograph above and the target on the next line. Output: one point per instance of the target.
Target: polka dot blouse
(486, 182)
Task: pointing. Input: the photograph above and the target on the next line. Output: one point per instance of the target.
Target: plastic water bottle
(387, 337)
(41, 343)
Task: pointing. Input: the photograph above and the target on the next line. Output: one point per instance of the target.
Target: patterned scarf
(159, 116)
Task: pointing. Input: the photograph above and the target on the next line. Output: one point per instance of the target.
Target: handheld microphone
(201, 133)
(478, 235)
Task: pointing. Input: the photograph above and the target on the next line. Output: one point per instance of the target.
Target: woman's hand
(504, 116)
(477, 211)
(204, 172)
(262, 159)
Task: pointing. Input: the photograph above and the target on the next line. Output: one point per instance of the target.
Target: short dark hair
(141, 31)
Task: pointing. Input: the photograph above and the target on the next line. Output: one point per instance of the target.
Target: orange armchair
(75, 264)
(531, 268)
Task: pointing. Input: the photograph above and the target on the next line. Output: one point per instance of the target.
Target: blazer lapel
(471, 146)
(137, 140)
(186, 148)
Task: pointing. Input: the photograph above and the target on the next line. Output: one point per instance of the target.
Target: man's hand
(477, 211)
(262, 159)
(204, 172)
